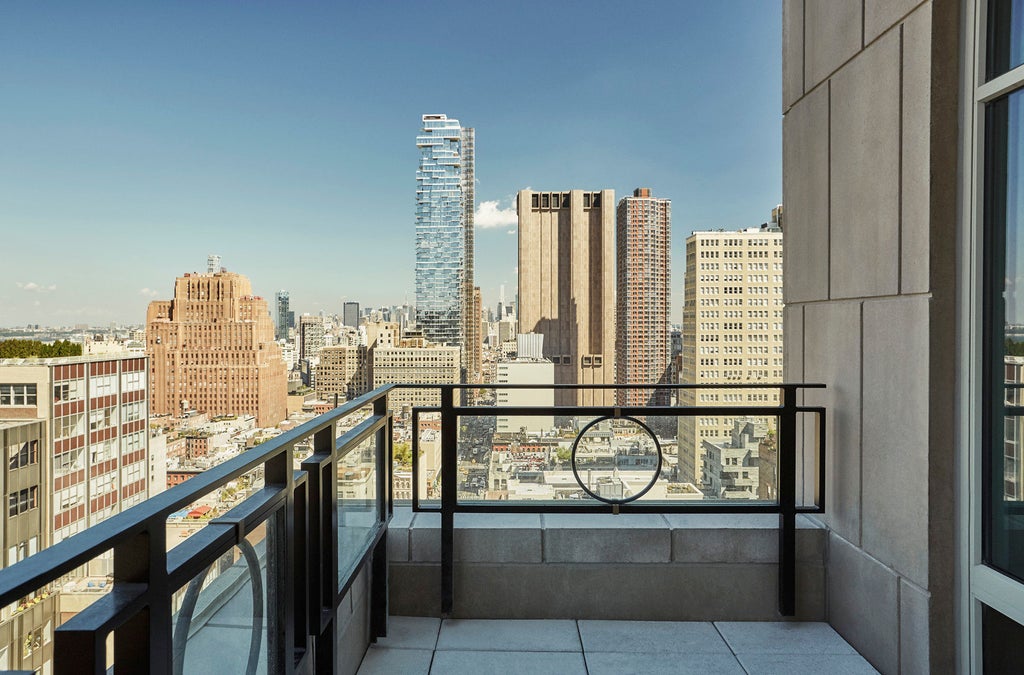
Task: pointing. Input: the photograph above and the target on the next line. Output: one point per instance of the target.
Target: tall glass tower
(285, 317)
(444, 235)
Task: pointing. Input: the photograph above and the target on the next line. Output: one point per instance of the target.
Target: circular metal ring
(638, 495)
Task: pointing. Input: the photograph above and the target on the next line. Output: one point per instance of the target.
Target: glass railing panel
(703, 458)
(358, 504)
(220, 618)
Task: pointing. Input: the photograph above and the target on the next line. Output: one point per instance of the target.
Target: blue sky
(137, 137)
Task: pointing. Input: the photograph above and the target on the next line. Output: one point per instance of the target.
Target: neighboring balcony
(587, 522)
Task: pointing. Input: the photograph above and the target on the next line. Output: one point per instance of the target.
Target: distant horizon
(138, 139)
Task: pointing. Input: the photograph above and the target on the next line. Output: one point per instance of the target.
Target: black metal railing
(785, 505)
(295, 512)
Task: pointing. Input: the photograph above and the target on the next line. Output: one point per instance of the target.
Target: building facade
(212, 349)
(567, 286)
(343, 371)
(732, 331)
(350, 314)
(444, 235)
(643, 297)
(285, 316)
(415, 365)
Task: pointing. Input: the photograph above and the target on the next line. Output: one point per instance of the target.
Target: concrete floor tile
(411, 632)
(652, 637)
(606, 663)
(385, 661)
(805, 664)
(782, 637)
(509, 635)
(501, 663)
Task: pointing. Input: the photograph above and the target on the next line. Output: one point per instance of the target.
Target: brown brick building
(212, 349)
(643, 226)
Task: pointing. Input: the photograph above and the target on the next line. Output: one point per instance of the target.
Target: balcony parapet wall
(692, 567)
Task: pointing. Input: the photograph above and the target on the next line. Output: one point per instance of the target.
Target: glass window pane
(1005, 36)
(1004, 481)
(1002, 642)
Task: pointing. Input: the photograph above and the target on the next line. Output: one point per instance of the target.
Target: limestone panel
(916, 165)
(792, 52)
(862, 603)
(832, 355)
(633, 592)
(914, 629)
(881, 15)
(894, 517)
(805, 194)
(793, 317)
(865, 147)
(606, 539)
(832, 32)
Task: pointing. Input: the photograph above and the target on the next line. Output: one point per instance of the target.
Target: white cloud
(148, 292)
(33, 287)
(511, 232)
(490, 215)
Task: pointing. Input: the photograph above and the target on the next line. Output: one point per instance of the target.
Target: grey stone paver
(411, 632)
(783, 637)
(609, 663)
(388, 661)
(805, 664)
(690, 637)
(455, 662)
(422, 645)
(509, 635)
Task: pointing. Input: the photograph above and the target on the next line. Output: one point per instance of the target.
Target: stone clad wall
(869, 187)
(632, 567)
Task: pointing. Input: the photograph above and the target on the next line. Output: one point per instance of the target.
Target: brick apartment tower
(77, 452)
(643, 285)
(567, 286)
(212, 349)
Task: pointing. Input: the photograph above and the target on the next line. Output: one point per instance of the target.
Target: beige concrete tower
(212, 348)
(732, 331)
(567, 286)
(643, 242)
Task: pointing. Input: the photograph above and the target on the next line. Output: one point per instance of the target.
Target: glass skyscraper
(285, 317)
(444, 234)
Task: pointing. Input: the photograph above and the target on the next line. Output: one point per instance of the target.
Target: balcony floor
(418, 645)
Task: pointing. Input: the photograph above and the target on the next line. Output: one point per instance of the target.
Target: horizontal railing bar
(696, 507)
(109, 611)
(357, 434)
(629, 507)
(723, 385)
(186, 560)
(254, 509)
(617, 411)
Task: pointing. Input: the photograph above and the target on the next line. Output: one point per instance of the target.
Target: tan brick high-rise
(567, 286)
(732, 330)
(212, 349)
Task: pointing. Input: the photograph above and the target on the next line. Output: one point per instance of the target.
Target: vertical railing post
(787, 502)
(449, 498)
(278, 471)
(143, 643)
(321, 550)
(379, 564)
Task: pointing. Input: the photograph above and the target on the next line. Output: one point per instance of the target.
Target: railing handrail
(681, 386)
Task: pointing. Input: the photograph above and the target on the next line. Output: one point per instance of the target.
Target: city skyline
(176, 132)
